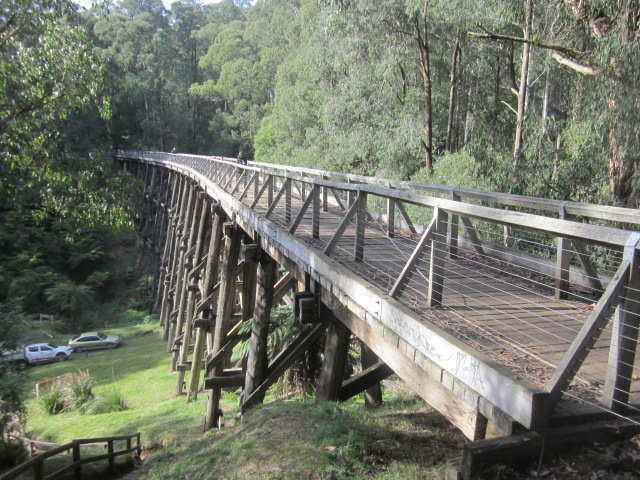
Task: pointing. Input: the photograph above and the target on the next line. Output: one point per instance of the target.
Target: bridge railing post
(453, 229)
(438, 258)
(563, 263)
(361, 219)
(325, 190)
(624, 338)
(315, 211)
(287, 202)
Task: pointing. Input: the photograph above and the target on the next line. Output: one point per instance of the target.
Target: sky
(167, 3)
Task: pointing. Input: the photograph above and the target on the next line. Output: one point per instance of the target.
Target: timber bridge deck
(534, 306)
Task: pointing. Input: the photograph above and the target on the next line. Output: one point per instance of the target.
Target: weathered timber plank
(364, 380)
(224, 381)
(528, 446)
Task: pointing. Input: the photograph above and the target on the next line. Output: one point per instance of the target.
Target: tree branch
(565, 55)
(567, 62)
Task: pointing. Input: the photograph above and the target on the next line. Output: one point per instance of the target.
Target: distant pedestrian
(240, 159)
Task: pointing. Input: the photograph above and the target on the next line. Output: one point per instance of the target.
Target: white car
(45, 352)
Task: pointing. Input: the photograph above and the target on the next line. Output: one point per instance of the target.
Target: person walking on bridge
(241, 160)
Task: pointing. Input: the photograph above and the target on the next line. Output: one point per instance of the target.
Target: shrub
(51, 400)
(77, 391)
(67, 395)
(111, 401)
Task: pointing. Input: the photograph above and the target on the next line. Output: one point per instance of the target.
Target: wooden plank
(364, 380)
(361, 220)
(373, 394)
(301, 213)
(437, 260)
(406, 218)
(272, 206)
(591, 273)
(224, 381)
(343, 226)
(266, 185)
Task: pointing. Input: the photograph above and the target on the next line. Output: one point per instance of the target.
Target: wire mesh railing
(552, 299)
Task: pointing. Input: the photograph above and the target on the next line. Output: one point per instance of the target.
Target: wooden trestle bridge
(496, 309)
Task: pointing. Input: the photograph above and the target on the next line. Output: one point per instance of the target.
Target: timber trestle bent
(534, 304)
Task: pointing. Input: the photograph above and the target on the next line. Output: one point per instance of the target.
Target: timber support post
(335, 358)
(257, 361)
(226, 297)
(373, 394)
(191, 278)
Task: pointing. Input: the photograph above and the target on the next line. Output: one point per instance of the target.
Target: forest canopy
(535, 97)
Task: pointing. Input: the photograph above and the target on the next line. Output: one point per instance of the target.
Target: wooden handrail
(37, 463)
(597, 234)
(601, 212)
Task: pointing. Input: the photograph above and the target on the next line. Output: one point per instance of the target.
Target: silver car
(93, 340)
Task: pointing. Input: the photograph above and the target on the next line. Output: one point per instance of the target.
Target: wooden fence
(37, 463)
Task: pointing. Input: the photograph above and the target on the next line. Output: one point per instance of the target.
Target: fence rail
(37, 463)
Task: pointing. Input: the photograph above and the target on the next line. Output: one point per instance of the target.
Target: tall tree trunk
(522, 91)
(194, 99)
(420, 35)
(468, 120)
(453, 79)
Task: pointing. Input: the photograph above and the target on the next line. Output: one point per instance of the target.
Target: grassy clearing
(285, 439)
(139, 371)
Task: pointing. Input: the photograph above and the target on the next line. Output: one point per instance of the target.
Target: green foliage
(68, 394)
(105, 402)
(283, 329)
(134, 317)
(77, 391)
(71, 298)
(51, 400)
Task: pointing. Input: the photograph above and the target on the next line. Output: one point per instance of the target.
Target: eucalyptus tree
(132, 39)
(239, 69)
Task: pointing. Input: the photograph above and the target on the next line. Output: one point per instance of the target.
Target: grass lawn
(139, 370)
(279, 440)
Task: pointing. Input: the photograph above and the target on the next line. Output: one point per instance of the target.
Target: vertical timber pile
(182, 252)
(208, 300)
(226, 298)
(164, 234)
(257, 361)
(173, 235)
(190, 286)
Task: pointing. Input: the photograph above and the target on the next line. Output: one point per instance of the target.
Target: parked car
(93, 340)
(37, 353)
